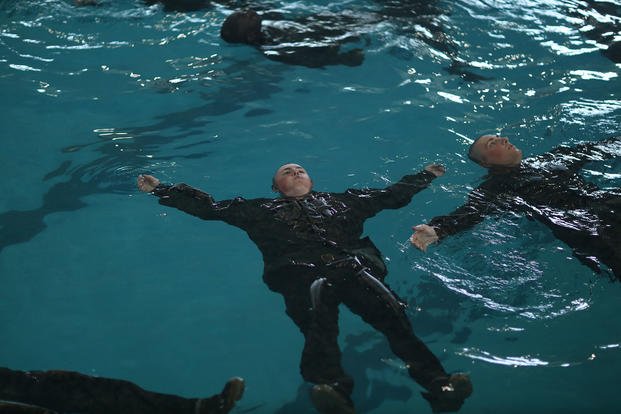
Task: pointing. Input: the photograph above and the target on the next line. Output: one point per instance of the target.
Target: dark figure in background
(314, 41)
(180, 5)
(602, 23)
(313, 255)
(547, 188)
(423, 20)
(53, 392)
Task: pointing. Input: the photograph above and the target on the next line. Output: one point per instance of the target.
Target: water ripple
(580, 111)
(504, 268)
(513, 361)
(584, 356)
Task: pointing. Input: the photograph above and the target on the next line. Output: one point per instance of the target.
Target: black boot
(448, 394)
(328, 400)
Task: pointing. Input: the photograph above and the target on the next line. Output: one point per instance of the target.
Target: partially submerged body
(57, 392)
(550, 189)
(316, 258)
(312, 41)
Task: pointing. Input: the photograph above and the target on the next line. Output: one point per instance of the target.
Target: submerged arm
(463, 218)
(399, 194)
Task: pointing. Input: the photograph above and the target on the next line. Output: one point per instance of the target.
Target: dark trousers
(66, 391)
(348, 283)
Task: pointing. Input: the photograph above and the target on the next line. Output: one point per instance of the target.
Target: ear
(483, 162)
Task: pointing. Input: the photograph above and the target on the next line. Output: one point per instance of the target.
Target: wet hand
(423, 236)
(436, 169)
(147, 183)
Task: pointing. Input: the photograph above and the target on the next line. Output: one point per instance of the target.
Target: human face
(495, 151)
(291, 180)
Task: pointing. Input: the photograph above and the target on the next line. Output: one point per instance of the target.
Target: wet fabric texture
(318, 238)
(549, 188)
(314, 41)
(72, 392)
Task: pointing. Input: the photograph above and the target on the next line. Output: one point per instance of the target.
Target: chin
(297, 192)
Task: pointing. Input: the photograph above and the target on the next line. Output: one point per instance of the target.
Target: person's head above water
(291, 180)
(243, 26)
(494, 151)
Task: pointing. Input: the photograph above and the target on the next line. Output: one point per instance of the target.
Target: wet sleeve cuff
(162, 190)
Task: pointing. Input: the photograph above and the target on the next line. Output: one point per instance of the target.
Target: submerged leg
(67, 391)
(372, 300)
(10, 407)
(321, 358)
(225, 401)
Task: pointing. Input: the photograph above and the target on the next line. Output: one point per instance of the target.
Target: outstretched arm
(478, 206)
(396, 195)
(188, 199)
(577, 156)
(400, 194)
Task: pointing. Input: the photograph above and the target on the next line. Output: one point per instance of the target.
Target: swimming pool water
(98, 278)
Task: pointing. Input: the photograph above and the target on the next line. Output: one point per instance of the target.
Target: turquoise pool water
(98, 278)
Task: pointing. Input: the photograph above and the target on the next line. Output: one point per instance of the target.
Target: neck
(502, 169)
(294, 196)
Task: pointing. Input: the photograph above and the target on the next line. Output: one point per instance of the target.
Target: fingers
(436, 169)
(423, 236)
(439, 170)
(421, 245)
(423, 228)
(146, 182)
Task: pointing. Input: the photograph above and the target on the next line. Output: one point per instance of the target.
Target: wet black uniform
(71, 392)
(548, 188)
(313, 41)
(313, 255)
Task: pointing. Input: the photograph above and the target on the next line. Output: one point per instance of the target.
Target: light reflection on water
(506, 266)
